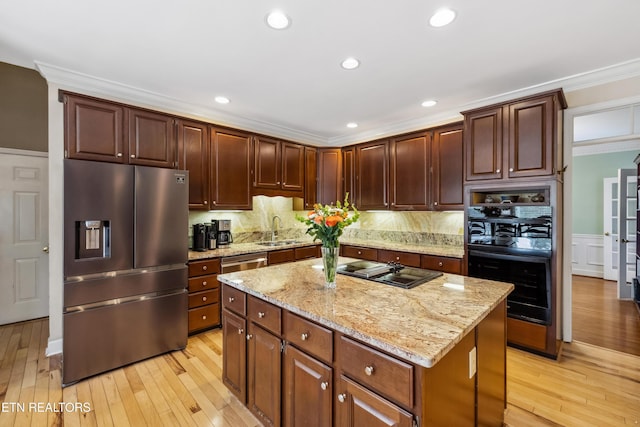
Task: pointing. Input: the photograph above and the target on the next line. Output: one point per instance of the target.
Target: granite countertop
(420, 324)
(247, 248)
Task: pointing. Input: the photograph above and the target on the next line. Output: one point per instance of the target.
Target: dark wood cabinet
(204, 295)
(230, 168)
(264, 375)
(447, 159)
(152, 138)
(409, 178)
(372, 175)
(266, 163)
(292, 167)
(278, 167)
(349, 173)
(330, 176)
(234, 342)
(518, 139)
(307, 390)
(310, 177)
(281, 256)
(94, 129)
(193, 155)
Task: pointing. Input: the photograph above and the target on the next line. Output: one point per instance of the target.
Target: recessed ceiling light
(352, 125)
(442, 17)
(278, 20)
(429, 103)
(221, 99)
(350, 63)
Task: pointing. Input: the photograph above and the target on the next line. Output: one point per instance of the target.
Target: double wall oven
(513, 243)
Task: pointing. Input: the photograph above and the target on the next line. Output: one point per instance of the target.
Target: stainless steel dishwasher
(243, 262)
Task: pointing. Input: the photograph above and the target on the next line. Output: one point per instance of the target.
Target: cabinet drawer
(234, 300)
(199, 299)
(278, 257)
(439, 263)
(200, 268)
(307, 252)
(308, 336)
(359, 252)
(203, 283)
(404, 258)
(204, 317)
(388, 376)
(264, 314)
(527, 334)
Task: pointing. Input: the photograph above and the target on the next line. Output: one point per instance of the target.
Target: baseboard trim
(53, 347)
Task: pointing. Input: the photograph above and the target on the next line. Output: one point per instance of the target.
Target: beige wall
(605, 92)
(23, 108)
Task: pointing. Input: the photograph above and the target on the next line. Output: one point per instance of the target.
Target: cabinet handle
(119, 155)
(214, 202)
(324, 385)
(497, 170)
(204, 203)
(278, 183)
(342, 397)
(204, 299)
(204, 317)
(397, 258)
(359, 252)
(304, 336)
(133, 156)
(249, 336)
(510, 169)
(368, 370)
(440, 264)
(261, 314)
(204, 268)
(240, 331)
(435, 203)
(204, 283)
(231, 299)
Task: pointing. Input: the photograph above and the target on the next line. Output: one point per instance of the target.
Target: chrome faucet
(274, 229)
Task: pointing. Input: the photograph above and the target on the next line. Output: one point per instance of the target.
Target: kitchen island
(297, 353)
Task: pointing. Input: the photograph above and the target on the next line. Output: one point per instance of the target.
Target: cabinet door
(264, 375)
(483, 144)
(234, 354)
(330, 175)
(372, 166)
(230, 157)
(358, 406)
(349, 173)
(448, 174)
(94, 130)
(152, 139)
(266, 163)
(292, 166)
(193, 155)
(308, 391)
(531, 133)
(310, 177)
(409, 178)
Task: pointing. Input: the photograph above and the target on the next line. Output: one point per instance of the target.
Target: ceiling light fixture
(221, 99)
(350, 63)
(429, 103)
(442, 17)
(352, 125)
(278, 20)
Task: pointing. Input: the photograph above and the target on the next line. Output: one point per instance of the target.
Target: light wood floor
(586, 386)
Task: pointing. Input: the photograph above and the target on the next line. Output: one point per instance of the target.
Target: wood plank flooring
(587, 386)
(599, 318)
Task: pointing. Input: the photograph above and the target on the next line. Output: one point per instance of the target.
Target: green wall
(588, 186)
(23, 108)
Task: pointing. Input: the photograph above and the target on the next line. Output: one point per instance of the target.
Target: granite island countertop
(419, 325)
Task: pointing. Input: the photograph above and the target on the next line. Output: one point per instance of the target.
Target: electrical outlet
(473, 362)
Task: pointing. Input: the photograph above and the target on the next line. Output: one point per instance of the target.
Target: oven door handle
(509, 257)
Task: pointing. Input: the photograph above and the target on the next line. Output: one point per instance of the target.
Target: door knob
(45, 249)
(607, 233)
(624, 241)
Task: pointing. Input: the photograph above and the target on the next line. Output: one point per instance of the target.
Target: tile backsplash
(410, 227)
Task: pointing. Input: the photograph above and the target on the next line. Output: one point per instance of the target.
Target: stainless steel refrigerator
(125, 287)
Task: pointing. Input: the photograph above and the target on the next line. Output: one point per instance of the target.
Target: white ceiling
(288, 83)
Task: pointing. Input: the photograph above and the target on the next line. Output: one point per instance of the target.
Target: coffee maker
(224, 233)
(212, 234)
(200, 238)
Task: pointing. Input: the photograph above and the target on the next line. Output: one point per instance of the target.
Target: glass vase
(330, 264)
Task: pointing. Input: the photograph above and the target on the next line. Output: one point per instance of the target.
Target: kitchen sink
(278, 242)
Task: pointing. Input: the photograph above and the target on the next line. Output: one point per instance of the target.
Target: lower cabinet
(204, 295)
(264, 363)
(430, 262)
(234, 342)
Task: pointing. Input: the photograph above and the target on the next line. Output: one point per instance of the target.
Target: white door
(627, 200)
(610, 202)
(24, 233)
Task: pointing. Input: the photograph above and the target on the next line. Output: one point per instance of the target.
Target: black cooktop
(393, 274)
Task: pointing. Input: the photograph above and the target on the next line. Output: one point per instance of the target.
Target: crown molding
(91, 85)
(605, 147)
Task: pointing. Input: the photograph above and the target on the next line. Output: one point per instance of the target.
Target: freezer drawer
(106, 338)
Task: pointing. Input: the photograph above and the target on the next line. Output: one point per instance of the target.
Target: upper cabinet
(230, 160)
(447, 160)
(349, 173)
(278, 167)
(193, 155)
(372, 175)
(409, 172)
(310, 177)
(329, 175)
(110, 132)
(514, 140)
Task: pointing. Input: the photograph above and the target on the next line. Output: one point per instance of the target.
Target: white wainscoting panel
(587, 255)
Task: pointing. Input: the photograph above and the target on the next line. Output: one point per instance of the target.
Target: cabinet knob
(324, 385)
(497, 170)
(359, 252)
(440, 264)
(261, 314)
(342, 397)
(204, 317)
(240, 331)
(214, 202)
(304, 336)
(119, 155)
(249, 336)
(231, 299)
(204, 268)
(133, 156)
(435, 203)
(204, 202)
(204, 283)
(510, 169)
(204, 299)
(368, 370)
(397, 258)
(278, 183)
